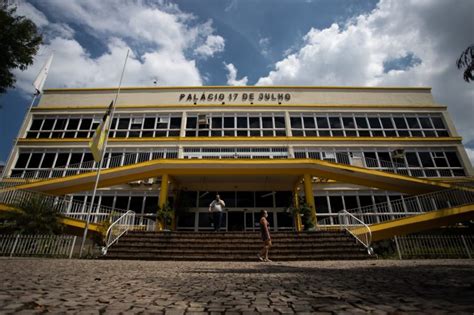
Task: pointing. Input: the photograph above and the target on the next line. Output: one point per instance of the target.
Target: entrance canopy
(282, 173)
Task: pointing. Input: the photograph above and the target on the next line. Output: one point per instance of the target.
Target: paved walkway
(134, 287)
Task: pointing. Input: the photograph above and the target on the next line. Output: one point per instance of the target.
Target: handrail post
(466, 247)
(72, 247)
(14, 245)
(398, 248)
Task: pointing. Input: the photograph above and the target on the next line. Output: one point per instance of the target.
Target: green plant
(165, 215)
(304, 210)
(35, 215)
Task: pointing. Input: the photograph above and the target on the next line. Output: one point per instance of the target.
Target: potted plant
(304, 210)
(165, 215)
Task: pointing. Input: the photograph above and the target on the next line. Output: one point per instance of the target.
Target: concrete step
(235, 246)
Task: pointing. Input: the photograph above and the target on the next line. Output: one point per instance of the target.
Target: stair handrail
(348, 222)
(118, 228)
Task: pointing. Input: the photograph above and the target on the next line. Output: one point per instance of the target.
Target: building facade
(401, 130)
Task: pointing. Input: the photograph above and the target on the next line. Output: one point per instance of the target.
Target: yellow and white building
(337, 147)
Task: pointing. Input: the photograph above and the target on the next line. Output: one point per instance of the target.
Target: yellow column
(296, 205)
(163, 197)
(308, 191)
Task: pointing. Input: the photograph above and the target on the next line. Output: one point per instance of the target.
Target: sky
(250, 42)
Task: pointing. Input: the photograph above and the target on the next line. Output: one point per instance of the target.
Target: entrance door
(236, 221)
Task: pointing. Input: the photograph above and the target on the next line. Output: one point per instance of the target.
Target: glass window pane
(48, 160)
(387, 123)
(362, 122)
(335, 122)
(229, 122)
(191, 123)
(336, 203)
(60, 124)
(36, 124)
(175, 123)
(348, 122)
(61, 159)
(254, 122)
(48, 124)
(400, 122)
(321, 204)
(245, 199)
(22, 160)
(264, 199)
(35, 160)
(216, 122)
(425, 158)
(322, 122)
(374, 122)
(75, 158)
(438, 122)
(296, 122)
(242, 122)
(123, 123)
(73, 124)
(425, 122)
(149, 123)
(267, 122)
(309, 122)
(453, 159)
(279, 122)
(413, 122)
(412, 159)
(86, 124)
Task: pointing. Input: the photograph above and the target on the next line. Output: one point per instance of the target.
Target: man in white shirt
(216, 208)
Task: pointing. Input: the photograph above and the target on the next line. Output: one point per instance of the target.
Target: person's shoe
(267, 260)
(260, 258)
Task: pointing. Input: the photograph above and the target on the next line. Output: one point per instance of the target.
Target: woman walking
(267, 241)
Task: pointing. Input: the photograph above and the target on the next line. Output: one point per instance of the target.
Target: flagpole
(38, 84)
(102, 158)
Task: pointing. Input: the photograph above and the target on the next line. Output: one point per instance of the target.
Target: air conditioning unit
(203, 120)
(148, 181)
(398, 154)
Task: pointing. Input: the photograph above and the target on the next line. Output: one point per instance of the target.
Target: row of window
(244, 125)
(396, 125)
(416, 162)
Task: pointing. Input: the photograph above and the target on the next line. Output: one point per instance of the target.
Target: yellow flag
(97, 142)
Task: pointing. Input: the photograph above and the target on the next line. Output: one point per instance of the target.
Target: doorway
(236, 221)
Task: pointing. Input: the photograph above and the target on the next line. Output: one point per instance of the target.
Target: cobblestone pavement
(327, 287)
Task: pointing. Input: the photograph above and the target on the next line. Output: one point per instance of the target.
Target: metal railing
(349, 223)
(37, 245)
(407, 206)
(119, 227)
(64, 205)
(434, 246)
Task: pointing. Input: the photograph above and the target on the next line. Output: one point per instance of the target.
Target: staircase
(236, 246)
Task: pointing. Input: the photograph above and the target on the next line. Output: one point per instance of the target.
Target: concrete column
(163, 198)
(296, 205)
(288, 124)
(308, 191)
(163, 190)
(182, 131)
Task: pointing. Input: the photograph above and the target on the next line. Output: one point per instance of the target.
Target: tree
(34, 215)
(466, 60)
(19, 42)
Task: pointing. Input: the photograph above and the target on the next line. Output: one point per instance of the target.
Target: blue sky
(251, 42)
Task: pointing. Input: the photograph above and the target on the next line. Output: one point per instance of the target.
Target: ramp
(440, 209)
(251, 167)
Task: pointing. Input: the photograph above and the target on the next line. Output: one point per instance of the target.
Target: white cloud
(232, 76)
(436, 32)
(213, 44)
(159, 35)
(264, 44)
